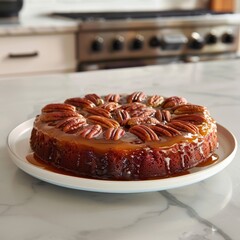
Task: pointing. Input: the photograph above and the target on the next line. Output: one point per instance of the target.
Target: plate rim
(113, 186)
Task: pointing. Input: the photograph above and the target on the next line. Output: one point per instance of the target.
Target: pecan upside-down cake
(124, 137)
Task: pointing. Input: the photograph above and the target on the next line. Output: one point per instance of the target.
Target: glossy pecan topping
(56, 116)
(155, 101)
(94, 98)
(163, 115)
(131, 107)
(151, 121)
(161, 131)
(188, 108)
(103, 121)
(143, 112)
(141, 120)
(112, 98)
(122, 116)
(193, 118)
(135, 121)
(173, 102)
(165, 130)
(114, 133)
(80, 102)
(90, 131)
(144, 132)
(58, 107)
(146, 117)
(98, 111)
(71, 124)
(136, 97)
(184, 126)
(110, 106)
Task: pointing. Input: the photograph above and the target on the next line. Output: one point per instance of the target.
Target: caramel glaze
(33, 159)
(128, 142)
(209, 161)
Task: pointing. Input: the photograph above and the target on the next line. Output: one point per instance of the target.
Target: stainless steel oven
(125, 39)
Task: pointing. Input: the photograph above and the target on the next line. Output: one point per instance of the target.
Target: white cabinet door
(37, 54)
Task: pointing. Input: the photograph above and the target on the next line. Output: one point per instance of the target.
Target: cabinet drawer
(37, 54)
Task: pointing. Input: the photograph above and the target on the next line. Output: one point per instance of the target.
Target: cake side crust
(142, 163)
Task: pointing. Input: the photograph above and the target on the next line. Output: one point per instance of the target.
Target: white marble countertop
(38, 24)
(208, 210)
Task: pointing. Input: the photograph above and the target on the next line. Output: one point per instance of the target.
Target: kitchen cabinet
(222, 5)
(35, 54)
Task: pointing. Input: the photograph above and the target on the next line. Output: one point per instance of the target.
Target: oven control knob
(118, 43)
(228, 38)
(138, 42)
(211, 39)
(196, 42)
(155, 42)
(97, 44)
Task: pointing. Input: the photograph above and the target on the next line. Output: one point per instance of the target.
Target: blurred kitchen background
(52, 36)
(36, 6)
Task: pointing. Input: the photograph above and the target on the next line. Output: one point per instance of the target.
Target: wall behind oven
(33, 6)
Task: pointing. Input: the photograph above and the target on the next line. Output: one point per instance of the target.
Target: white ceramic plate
(18, 146)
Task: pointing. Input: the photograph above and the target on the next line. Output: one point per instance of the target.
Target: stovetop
(92, 16)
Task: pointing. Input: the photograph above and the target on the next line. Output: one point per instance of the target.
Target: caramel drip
(34, 160)
(209, 161)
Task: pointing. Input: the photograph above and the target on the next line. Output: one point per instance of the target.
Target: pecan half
(193, 118)
(163, 115)
(184, 126)
(94, 98)
(122, 116)
(58, 107)
(143, 112)
(80, 102)
(90, 131)
(114, 133)
(136, 97)
(103, 121)
(130, 107)
(151, 121)
(56, 116)
(112, 98)
(141, 120)
(188, 108)
(144, 132)
(70, 124)
(135, 121)
(98, 111)
(110, 106)
(159, 130)
(169, 129)
(155, 101)
(173, 101)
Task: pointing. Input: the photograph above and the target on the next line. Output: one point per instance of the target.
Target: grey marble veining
(207, 210)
